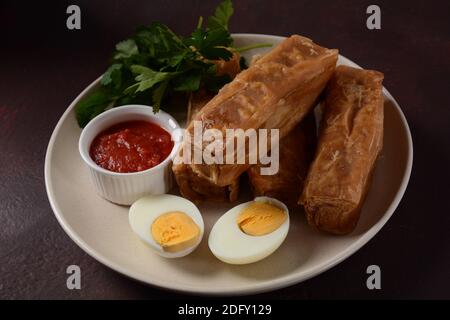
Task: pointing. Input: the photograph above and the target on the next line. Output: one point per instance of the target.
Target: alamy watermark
(73, 281)
(231, 146)
(374, 280)
(73, 21)
(373, 22)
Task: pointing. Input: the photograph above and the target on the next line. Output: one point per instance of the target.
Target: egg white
(146, 210)
(231, 245)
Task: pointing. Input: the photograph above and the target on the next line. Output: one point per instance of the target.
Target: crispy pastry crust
(198, 189)
(350, 141)
(296, 151)
(275, 92)
(191, 185)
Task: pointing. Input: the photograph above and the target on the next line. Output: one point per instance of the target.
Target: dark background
(43, 67)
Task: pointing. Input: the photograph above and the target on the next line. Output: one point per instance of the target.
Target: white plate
(101, 228)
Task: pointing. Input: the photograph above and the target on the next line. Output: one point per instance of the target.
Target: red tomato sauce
(131, 146)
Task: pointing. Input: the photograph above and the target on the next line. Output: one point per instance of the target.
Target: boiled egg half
(172, 226)
(250, 231)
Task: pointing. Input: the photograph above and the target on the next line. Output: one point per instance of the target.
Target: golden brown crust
(295, 153)
(350, 141)
(191, 185)
(275, 92)
(198, 189)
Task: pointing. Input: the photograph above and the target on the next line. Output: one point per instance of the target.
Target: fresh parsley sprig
(155, 62)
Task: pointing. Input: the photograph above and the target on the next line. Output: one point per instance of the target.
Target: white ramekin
(126, 188)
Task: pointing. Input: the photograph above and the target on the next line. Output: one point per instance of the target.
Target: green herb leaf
(212, 44)
(158, 40)
(158, 95)
(217, 53)
(221, 16)
(173, 60)
(188, 82)
(155, 63)
(211, 70)
(126, 49)
(113, 75)
(218, 37)
(92, 106)
(147, 78)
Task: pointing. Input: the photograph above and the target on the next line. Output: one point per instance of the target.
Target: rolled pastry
(191, 185)
(277, 91)
(296, 151)
(350, 140)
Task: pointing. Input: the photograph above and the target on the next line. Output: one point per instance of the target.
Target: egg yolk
(260, 218)
(175, 231)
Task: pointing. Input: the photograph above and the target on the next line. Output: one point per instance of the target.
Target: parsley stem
(200, 22)
(253, 46)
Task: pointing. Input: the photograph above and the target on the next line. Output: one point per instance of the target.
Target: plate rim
(268, 285)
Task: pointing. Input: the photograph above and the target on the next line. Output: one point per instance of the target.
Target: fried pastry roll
(276, 92)
(350, 140)
(296, 151)
(191, 185)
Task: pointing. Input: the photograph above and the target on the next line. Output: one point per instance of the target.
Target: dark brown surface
(43, 66)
